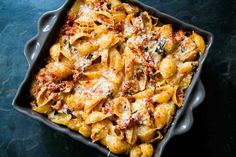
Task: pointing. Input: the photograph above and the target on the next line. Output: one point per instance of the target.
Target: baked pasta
(116, 75)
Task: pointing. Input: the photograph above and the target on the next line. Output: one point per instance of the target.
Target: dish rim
(36, 44)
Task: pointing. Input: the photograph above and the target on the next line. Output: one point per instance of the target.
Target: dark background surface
(214, 131)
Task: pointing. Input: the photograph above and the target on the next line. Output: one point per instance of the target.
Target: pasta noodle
(116, 75)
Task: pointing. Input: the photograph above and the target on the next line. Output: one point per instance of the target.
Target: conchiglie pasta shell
(85, 130)
(131, 136)
(199, 42)
(145, 133)
(95, 117)
(42, 109)
(146, 149)
(60, 118)
(167, 67)
(59, 70)
(166, 31)
(163, 115)
(99, 130)
(122, 108)
(178, 96)
(55, 51)
(74, 124)
(115, 145)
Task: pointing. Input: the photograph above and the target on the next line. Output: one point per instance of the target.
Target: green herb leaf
(53, 102)
(68, 111)
(159, 49)
(137, 14)
(90, 56)
(110, 94)
(162, 43)
(109, 5)
(55, 112)
(181, 49)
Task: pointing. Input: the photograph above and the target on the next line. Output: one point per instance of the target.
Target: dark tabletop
(214, 131)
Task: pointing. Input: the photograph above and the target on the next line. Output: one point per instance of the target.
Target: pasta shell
(95, 117)
(167, 67)
(163, 115)
(199, 42)
(122, 108)
(115, 145)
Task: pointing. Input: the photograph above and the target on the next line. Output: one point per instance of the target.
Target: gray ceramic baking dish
(36, 51)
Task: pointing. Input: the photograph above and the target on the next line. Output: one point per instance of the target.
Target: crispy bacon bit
(53, 76)
(141, 48)
(179, 36)
(173, 39)
(148, 61)
(62, 85)
(158, 115)
(148, 64)
(70, 20)
(155, 36)
(48, 93)
(97, 6)
(37, 88)
(145, 40)
(107, 109)
(52, 86)
(76, 76)
(41, 75)
(119, 27)
(150, 106)
(131, 99)
(139, 73)
(69, 28)
(137, 30)
(129, 88)
(148, 100)
(101, 6)
(104, 7)
(127, 123)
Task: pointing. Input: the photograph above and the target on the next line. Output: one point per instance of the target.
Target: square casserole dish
(36, 52)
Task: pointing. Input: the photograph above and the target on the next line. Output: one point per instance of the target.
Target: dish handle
(186, 120)
(34, 45)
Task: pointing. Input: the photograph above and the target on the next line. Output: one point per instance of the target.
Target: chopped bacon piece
(101, 6)
(52, 86)
(107, 109)
(155, 36)
(37, 88)
(70, 20)
(69, 30)
(137, 30)
(76, 76)
(129, 88)
(127, 123)
(119, 27)
(178, 36)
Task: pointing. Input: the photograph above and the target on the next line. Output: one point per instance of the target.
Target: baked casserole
(117, 75)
